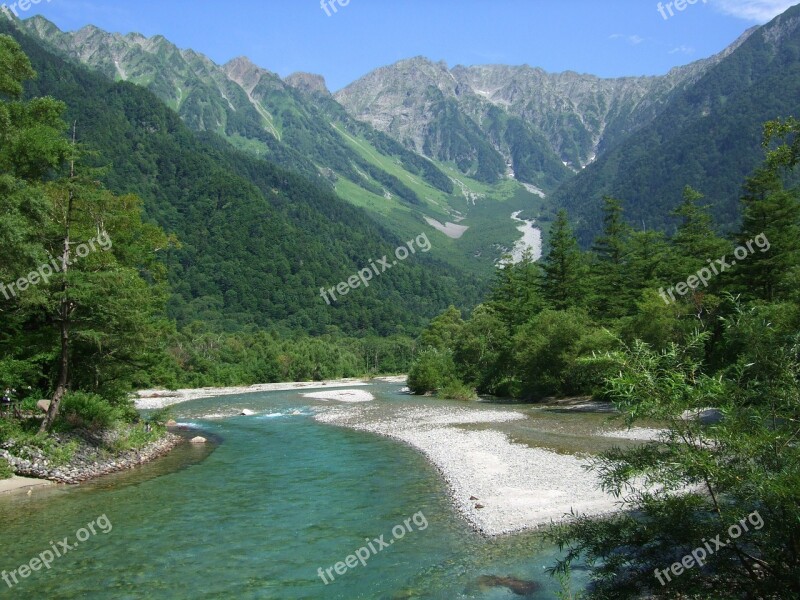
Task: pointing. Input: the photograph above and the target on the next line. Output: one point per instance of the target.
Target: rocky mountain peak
(308, 83)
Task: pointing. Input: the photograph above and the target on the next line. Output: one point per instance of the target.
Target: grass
(134, 437)
(26, 437)
(84, 413)
(6, 472)
(455, 390)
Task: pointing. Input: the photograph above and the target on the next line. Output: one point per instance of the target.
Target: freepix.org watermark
(363, 554)
(20, 5)
(329, 5)
(57, 550)
(365, 275)
(46, 271)
(721, 265)
(680, 5)
(698, 556)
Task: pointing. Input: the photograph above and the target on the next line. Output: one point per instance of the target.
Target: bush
(432, 370)
(455, 390)
(6, 472)
(135, 437)
(160, 417)
(81, 409)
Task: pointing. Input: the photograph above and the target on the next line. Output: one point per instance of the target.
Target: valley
(400, 301)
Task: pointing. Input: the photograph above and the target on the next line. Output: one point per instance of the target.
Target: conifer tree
(564, 283)
(611, 293)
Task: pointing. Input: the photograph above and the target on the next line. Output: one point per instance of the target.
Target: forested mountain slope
(708, 136)
(258, 241)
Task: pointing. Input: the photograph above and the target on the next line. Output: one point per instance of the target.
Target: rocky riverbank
(498, 486)
(90, 456)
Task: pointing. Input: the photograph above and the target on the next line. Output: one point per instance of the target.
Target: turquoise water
(258, 512)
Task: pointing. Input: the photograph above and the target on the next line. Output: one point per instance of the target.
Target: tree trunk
(65, 311)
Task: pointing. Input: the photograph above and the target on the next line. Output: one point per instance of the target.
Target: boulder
(172, 423)
(199, 440)
(707, 416)
(520, 587)
(43, 405)
(247, 413)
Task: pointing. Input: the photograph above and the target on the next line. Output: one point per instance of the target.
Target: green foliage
(455, 390)
(704, 477)
(89, 411)
(23, 438)
(432, 371)
(443, 330)
(257, 242)
(6, 472)
(161, 416)
(482, 351)
(771, 227)
(134, 437)
(608, 269)
(565, 272)
(547, 351)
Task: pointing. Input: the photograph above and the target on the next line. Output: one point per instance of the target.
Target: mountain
(257, 241)
(485, 118)
(297, 124)
(422, 146)
(707, 136)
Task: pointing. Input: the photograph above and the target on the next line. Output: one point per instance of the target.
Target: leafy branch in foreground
(698, 479)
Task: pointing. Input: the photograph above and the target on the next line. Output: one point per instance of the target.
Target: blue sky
(608, 38)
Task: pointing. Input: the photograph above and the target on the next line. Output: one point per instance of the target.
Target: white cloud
(682, 50)
(633, 40)
(759, 11)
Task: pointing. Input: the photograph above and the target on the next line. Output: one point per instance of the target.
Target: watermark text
(363, 554)
(57, 550)
(365, 275)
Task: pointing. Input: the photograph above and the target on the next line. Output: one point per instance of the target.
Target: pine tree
(564, 283)
(515, 294)
(694, 249)
(612, 296)
(768, 242)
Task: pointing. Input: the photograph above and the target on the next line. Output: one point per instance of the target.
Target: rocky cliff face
(308, 83)
(578, 115)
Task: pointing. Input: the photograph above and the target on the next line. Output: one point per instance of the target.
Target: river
(256, 513)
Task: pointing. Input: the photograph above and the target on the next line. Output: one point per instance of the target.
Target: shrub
(455, 390)
(81, 409)
(6, 472)
(159, 418)
(432, 370)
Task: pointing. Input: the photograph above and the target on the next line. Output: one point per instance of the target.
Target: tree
(432, 370)
(32, 146)
(610, 286)
(565, 273)
(515, 296)
(742, 470)
(443, 330)
(695, 242)
(546, 352)
(108, 297)
(770, 238)
(482, 351)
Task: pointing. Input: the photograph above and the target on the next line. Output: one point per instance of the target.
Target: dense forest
(248, 246)
(667, 328)
(256, 242)
(211, 262)
(706, 136)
